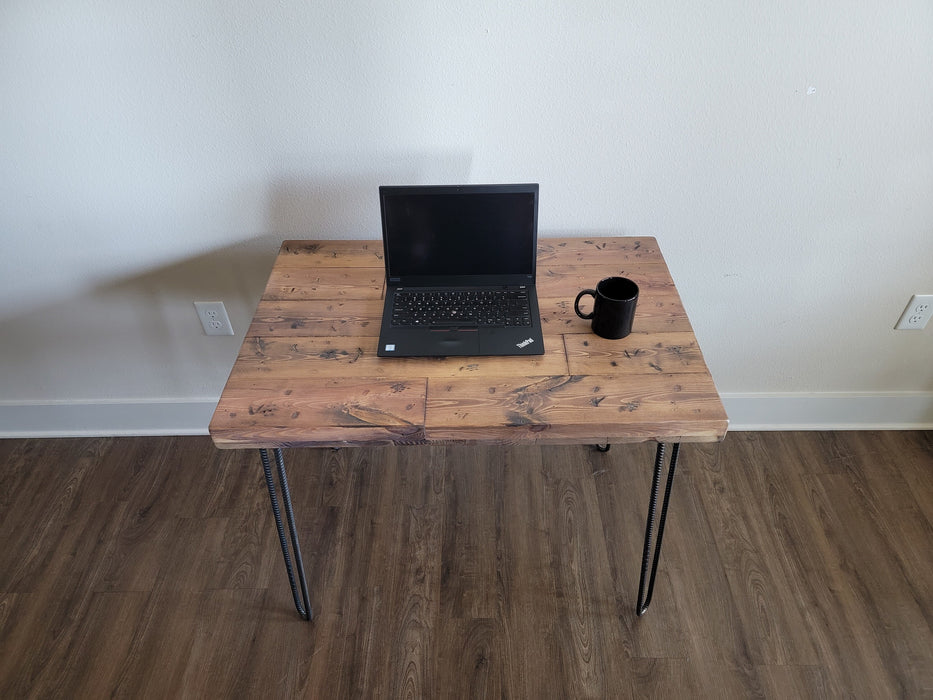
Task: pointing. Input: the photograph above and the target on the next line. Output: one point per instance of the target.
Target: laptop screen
(459, 231)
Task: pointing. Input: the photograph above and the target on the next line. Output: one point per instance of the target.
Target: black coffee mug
(614, 302)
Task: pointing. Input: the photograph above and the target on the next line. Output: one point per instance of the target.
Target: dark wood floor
(795, 565)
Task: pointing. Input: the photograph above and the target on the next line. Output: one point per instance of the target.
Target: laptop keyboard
(485, 307)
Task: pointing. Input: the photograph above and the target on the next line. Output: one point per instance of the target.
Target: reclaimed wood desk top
(307, 373)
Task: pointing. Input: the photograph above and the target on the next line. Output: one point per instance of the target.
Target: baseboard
(840, 411)
(105, 418)
(898, 411)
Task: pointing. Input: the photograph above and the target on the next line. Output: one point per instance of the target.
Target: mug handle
(576, 303)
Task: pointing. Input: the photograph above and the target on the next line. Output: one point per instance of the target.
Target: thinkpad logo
(525, 343)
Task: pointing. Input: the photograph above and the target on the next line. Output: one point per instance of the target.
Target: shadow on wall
(342, 200)
(139, 338)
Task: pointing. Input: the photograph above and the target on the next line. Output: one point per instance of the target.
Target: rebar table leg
(644, 594)
(303, 610)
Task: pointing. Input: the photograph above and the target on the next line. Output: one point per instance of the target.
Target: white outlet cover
(916, 314)
(214, 317)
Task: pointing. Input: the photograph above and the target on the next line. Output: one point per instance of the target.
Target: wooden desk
(308, 376)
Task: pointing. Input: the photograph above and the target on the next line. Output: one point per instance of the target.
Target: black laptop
(460, 270)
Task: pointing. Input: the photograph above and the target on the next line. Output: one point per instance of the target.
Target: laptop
(460, 270)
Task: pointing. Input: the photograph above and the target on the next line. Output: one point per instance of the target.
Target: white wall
(153, 154)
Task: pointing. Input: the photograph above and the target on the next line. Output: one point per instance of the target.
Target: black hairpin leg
(644, 595)
(303, 610)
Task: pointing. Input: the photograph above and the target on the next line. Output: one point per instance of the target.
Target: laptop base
(460, 342)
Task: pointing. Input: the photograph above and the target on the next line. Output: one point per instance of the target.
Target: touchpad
(459, 342)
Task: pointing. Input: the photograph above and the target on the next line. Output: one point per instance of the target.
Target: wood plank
(526, 590)
(294, 283)
(310, 357)
(299, 318)
(596, 250)
(411, 591)
(319, 412)
(366, 253)
(586, 590)
(638, 353)
(574, 408)
(567, 280)
(469, 582)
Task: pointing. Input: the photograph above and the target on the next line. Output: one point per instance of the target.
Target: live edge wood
(307, 373)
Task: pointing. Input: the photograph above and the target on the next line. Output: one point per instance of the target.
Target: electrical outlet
(917, 313)
(214, 317)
